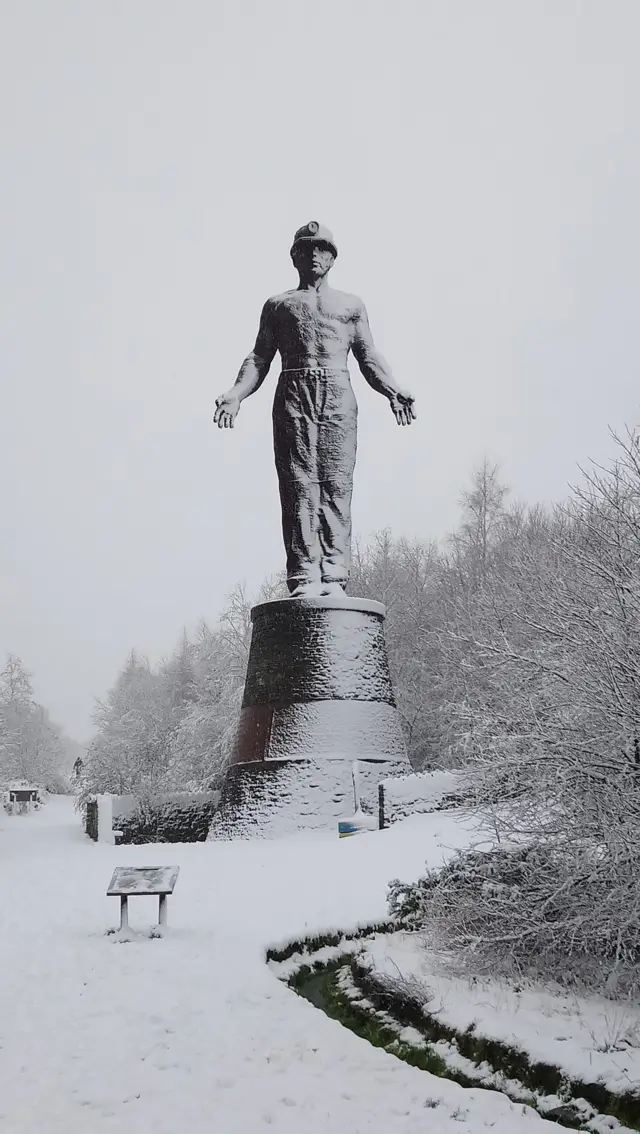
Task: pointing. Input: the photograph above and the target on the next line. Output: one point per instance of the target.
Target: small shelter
(22, 798)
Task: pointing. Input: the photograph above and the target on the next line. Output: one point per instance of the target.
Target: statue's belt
(316, 371)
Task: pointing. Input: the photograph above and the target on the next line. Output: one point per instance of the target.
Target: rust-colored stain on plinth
(252, 737)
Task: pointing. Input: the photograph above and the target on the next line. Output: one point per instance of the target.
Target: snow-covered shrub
(539, 909)
(168, 820)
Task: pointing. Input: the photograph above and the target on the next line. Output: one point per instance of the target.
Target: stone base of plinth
(317, 698)
(286, 797)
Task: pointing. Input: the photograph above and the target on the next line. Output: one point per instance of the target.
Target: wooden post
(380, 806)
(124, 912)
(162, 909)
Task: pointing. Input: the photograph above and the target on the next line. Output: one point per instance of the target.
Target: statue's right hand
(227, 406)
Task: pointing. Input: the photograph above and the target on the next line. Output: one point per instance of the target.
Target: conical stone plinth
(317, 695)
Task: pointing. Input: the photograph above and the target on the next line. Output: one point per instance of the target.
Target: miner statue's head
(313, 251)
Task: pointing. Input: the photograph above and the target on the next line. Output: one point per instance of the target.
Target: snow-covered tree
(32, 748)
(202, 742)
(483, 511)
(404, 575)
(130, 751)
(545, 707)
(171, 728)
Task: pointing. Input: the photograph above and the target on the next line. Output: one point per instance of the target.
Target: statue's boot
(334, 590)
(309, 590)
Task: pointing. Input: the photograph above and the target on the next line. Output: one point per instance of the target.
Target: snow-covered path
(192, 1032)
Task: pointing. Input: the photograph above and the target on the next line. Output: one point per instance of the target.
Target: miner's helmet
(316, 232)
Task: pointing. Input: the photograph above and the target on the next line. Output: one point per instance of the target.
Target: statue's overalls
(314, 435)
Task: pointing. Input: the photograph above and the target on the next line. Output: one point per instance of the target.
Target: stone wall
(417, 793)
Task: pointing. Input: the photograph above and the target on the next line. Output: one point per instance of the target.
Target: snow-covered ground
(192, 1032)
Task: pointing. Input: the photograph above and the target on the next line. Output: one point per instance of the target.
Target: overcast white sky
(479, 164)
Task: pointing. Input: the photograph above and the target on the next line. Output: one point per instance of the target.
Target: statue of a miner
(314, 410)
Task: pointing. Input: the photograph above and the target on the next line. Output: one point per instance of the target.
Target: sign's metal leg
(162, 909)
(124, 912)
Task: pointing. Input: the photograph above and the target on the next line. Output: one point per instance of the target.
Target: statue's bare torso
(312, 329)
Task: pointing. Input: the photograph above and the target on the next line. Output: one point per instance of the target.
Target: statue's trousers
(314, 434)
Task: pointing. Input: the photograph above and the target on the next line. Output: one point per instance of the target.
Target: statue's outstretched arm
(252, 373)
(376, 370)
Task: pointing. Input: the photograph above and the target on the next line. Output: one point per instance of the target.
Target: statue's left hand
(402, 406)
